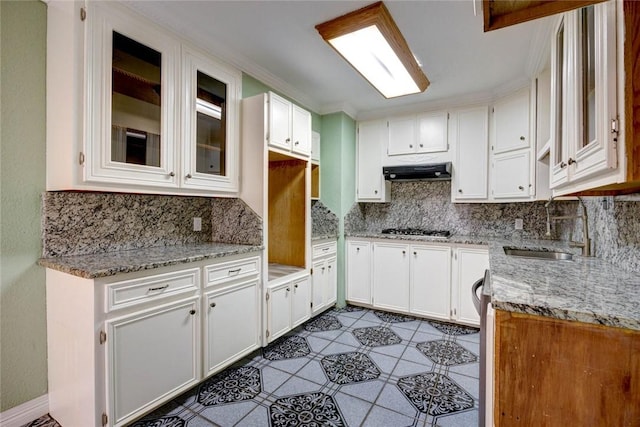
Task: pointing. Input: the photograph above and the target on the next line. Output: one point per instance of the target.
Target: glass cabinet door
(210, 137)
(559, 166)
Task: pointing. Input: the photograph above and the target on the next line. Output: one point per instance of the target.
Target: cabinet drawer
(324, 249)
(139, 291)
(232, 270)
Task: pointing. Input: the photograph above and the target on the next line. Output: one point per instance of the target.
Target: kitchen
(612, 220)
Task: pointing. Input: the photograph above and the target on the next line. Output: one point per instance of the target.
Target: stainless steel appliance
(482, 304)
(417, 232)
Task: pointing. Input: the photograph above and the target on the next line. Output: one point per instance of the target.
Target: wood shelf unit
(315, 181)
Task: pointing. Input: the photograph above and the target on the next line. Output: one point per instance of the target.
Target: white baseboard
(25, 413)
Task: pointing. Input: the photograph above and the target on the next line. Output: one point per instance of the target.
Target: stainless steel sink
(538, 254)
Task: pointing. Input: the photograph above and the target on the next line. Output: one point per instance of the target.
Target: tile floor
(347, 367)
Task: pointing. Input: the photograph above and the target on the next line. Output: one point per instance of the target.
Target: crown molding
(540, 47)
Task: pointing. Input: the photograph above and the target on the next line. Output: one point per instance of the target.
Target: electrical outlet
(197, 224)
(519, 224)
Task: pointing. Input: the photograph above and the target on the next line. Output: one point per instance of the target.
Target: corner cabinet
(120, 346)
(132, 107)
(324, 276)
(370, 183)
(359, 267)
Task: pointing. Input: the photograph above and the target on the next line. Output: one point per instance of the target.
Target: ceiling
(276, 42)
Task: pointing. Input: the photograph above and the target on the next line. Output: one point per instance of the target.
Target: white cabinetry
(122, 102)
(469, 265)
(511, 122)
(371, 185)
(289, 126)
(359, 271)
(315, 147)
(324, 276)
(288, 305)
(417, 134)
(511, 175)
(430, 281)
(391, 276)
(121, 345)
(584, 112)
(471, 139)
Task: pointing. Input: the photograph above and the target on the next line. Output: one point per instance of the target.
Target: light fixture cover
(371, 42)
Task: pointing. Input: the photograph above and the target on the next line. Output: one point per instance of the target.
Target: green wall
(23, 332)
(337, 177)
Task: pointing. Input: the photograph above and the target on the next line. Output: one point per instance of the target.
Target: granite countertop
(585, 289)
(324, 236)
(111, 263)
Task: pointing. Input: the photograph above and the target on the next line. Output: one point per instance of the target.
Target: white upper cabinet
(417, 134)
(315, 147)
(131, 107)
(471, 135)
(511, 175)
(584, 113)
(511, 122)
(371, 186)
(289, 126)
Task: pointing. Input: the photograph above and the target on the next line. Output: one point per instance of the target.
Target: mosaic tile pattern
(313, 377)
(44, 421)
(446, 352)
(453, 329)
(326, 322)
(393, 317)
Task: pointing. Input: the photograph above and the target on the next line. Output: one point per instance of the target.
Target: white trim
(26, 412)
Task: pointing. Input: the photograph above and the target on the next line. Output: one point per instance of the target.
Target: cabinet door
(470, 265)
(301, 301)
(279, 122)
(402, 135)
(512, 175)
(511, 122)
(300, 131)
(210, 124)
(559, 149)
(315, 147)
(470, 178)
(318, 281)
(152, 355)
(359, 272)
(371, 140)
(331, 289)
(278, 311)
(131, 94)
(391, 276)
(432, 133)
(231, 325)
(431, 281)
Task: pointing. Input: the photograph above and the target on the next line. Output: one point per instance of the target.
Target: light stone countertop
(325, 236)
(585, 289)
(111, 263)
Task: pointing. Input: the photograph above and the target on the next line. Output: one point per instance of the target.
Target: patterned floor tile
(348, 309)
(386, 363)
(392, 398)
(171, 421)
(468, 418)
(313, 409)
(446, 353)
(469, 384)
(353, 410)
(287, 347)
(404, 368)
(228, 415)
(43, 421)
(313, 372)
(326, 322)
(231, 385)
(297, 385)
(393, 317)
(273, 378)
(255, 418)
(435, 394)
(347, 368)
(376, 336)
(382, 417)
(368, 390)
(453, 329)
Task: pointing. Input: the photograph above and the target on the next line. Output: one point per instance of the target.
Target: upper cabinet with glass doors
(154, 115)
(584, 117)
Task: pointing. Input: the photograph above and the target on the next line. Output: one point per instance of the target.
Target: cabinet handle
(571, 161)
(522, 138)
(192, 312)
(287, 140)
(172, 174)
(410, 145)
(329, 267)
(415, 253)
(357, 249)
(520, 187)
(159, 288)
(460, 190)
(295, 286)
(375, 191)
(421, 145)
(235, 271)
(296, 143)
(323, 269)
(563, 165)
(325, 249)
(288, 289)
(404, 252)
(212, 305)
(188, 176)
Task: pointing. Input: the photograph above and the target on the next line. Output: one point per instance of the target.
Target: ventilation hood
(424, 172)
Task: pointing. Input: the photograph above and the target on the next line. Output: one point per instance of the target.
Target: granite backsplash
(324, 223)
(82, 223)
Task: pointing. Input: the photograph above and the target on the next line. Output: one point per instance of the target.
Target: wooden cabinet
(289, 126)
(431, 281)
(124, 112)
(288, 305)
(371, 185)
(596, 367)
(121, 345)
(151, 354)
(417, 134)
(470, 170)
(391, 276)
(358, 264)
(324, 276)
(469, 265)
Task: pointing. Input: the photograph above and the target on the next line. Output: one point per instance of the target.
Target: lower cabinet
(426, 279)
(232, 319)
(324, 276)
(288, 305)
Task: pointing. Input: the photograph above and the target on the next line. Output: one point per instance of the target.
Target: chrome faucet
(586, 241)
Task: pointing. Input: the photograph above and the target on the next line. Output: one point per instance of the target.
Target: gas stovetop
(417, 232)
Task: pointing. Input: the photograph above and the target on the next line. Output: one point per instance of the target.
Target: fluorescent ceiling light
(372, 43)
